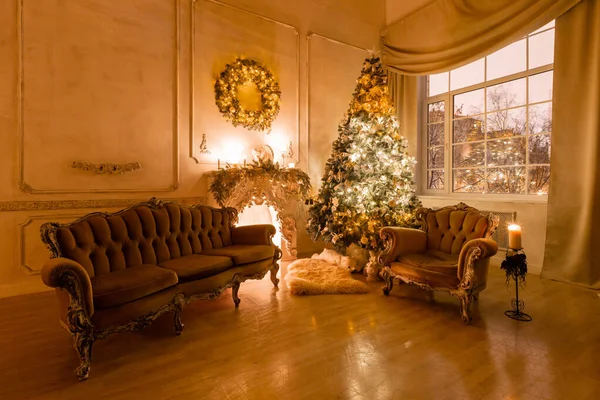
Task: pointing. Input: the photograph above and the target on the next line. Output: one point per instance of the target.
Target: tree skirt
(309, 276)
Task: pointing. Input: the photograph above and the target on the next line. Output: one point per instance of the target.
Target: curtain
(446, 34)
(572, 245)
(403, 91)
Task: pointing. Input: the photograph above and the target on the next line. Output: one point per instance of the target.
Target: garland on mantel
(265, 176)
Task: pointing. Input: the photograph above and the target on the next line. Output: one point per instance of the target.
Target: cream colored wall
(107, 81)
(398, 9)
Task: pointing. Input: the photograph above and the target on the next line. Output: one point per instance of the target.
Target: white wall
(110, 81)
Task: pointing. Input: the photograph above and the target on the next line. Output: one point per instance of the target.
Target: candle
(514, 236)
(291, 165)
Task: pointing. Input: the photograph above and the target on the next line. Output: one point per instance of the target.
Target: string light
(243, 71)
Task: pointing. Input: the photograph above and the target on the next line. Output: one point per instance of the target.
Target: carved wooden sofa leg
(83, 342)
(178, 302)
(234, 292)
(389, 280)
(274, 271)
(465, 307)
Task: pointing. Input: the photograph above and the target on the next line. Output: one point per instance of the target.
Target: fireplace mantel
(284, 189)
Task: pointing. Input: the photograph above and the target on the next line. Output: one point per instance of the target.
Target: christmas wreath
(245, 71)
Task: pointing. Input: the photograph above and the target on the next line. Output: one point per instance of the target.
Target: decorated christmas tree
(368, 181)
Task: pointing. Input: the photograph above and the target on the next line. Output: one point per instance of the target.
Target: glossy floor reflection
(410, 345)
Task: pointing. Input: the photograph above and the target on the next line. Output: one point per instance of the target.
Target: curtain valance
(446, 34)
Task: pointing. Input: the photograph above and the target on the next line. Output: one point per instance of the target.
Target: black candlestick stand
(516, 304)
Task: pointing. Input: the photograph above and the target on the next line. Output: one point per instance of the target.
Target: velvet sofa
(451, 252)
(118, 272)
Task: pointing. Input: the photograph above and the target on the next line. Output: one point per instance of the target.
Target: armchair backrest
(449, 228)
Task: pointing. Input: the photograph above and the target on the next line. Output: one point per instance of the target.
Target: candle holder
(515, 266)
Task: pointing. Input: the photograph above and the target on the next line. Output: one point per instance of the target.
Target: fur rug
(311, 276)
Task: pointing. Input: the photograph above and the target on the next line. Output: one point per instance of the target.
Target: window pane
(506, 95)
(506, 123)
(540, 87)
(506, 180)
(507, 61)
(541, 49)
(506, 151)
(468, 129)
(469, 103)
(435, 179)
(539, 180)
(467, 75)
(540, 118)
(435, 134)
(469, 180)
(543, 28)
(435, 157)
(539, 149)
(468, 155)
(436, 112)
(438, 83)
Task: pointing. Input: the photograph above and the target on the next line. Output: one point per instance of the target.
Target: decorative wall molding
(192, 68)
(107, 168)
(13, 206)
(309, 36)
(22, 238)
(22, 185)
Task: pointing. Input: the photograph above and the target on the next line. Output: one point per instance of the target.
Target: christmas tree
(368, 181)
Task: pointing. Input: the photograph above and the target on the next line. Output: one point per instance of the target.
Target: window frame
(448, 99)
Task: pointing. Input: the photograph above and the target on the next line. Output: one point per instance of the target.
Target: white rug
(310, 276)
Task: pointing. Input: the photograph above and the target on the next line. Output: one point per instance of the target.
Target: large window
(488, 123)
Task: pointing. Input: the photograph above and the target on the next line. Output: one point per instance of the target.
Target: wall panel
(333, 68)
(220, 33)
(98, 84)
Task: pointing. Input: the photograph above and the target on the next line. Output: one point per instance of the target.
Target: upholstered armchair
(451, 252)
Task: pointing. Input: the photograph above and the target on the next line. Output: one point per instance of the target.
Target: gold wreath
(240, 72)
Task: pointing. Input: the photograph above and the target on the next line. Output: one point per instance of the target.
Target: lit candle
(291, 165)
(514, 236)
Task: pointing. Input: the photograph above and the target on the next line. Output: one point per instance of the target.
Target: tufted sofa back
(449, 228)
(142, 234)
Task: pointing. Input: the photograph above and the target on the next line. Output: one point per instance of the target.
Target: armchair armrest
(472, 252)
(62, 273)
(400, 241)
(253, 234)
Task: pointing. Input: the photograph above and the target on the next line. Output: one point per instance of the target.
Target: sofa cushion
(432, 278)
(244, 254)
(119, 287)
(197, 266)
(432, 260)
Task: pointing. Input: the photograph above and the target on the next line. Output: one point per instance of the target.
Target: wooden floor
(278, 346)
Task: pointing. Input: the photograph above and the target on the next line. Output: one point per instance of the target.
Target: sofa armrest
(471, 256)
(62, 273)
(399, 241)
(253, 234)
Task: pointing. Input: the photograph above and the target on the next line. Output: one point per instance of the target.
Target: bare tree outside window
(499, 134)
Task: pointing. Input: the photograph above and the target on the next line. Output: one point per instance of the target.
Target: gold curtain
(446, 34)
(403, 91)
(572, 242)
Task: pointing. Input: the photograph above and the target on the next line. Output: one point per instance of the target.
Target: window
(488, 123)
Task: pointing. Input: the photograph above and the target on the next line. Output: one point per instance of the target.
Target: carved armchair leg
(178, 301)
(389, 280)
(274, 271)
(83, 342)
(465, 307)
(234, 293)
